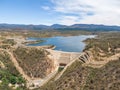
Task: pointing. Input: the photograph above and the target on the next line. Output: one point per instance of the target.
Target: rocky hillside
(78, 77)
(105, 51)
(99, 72)
(34, 62)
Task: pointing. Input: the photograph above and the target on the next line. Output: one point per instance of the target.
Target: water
(69, 44)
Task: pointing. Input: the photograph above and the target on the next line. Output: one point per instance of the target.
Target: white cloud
(68, 20)
(46, 7)
(104, 11)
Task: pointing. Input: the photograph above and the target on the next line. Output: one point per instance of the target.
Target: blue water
(69, 44)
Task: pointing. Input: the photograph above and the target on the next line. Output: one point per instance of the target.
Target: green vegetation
(34, 61)
(60, 69)
(8, 73)
(9, 42)
(5, 46)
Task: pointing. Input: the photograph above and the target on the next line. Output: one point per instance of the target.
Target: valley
(59, 45)
(44, 68)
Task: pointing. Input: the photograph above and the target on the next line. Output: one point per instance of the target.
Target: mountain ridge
(89, 27)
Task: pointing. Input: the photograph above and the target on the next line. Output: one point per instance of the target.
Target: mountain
(22, 26)
(95, 27)
(89, 27)
(55, 26)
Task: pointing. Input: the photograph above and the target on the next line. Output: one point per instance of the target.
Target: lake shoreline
(61, 43)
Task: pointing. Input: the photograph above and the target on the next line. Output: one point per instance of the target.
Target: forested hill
(89, 27)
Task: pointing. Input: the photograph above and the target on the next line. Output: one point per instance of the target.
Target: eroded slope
(34, 62)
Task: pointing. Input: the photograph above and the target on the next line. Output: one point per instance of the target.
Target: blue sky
(60, 11)
(26, 12)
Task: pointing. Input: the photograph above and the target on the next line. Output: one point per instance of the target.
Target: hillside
(23, 67)
(10, 78)
(34, 62)
(101, 72)
(78, 77)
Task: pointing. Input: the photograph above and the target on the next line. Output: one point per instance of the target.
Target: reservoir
(68, 44)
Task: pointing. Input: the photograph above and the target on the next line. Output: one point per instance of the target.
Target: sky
(66, 12)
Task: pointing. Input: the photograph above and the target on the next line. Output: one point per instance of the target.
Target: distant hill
(56, 26)
(89, 27)
(22, 26)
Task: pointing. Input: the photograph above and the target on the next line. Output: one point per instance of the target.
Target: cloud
(88, 11)
(68, 20)
(45, 7)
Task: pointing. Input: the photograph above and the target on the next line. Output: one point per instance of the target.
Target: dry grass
(34, 62)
